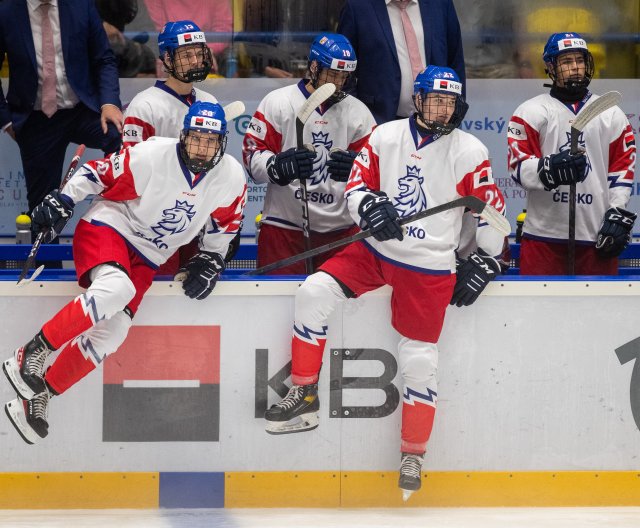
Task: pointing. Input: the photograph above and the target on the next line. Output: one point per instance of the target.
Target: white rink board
(527, 382)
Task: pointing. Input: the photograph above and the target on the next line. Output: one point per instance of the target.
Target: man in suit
(394, 40)
(63, 86)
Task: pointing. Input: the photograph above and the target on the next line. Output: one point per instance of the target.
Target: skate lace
(292, 398)
(34, 362)
(40, 405)
(411, 465)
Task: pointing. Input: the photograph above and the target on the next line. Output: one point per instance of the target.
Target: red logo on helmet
(444, 85)
(187, 37)
(566, 43)
(341, 65)
(199, 121)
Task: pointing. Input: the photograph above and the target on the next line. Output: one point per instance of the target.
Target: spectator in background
(63, 86)
(135, 59)
(213, 16)
(492, 40)
(394, 41)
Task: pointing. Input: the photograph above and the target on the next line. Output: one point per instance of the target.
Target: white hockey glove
(202, 273)
(472, 278)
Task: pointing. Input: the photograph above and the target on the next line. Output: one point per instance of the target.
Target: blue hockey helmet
(437, 79)
(333, 51)
(559, 43)
(184, 33)
(440, 80)
(208, 118)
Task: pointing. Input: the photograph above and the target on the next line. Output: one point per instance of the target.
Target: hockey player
(540, 161)
(153, 198)
(337, 131)
(405, 166)
(159, 110)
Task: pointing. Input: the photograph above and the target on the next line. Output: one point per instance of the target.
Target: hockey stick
(38, 242)
(487, 212)
(233, 110)
(318, 97)
(588, 113)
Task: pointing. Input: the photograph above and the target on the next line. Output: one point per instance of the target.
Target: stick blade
(488, 213)
(233, 110)
(22, 281)
(496, 220)
(601, 104)
(319, 96)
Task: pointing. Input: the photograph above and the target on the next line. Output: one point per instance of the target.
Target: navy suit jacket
(90, 64)
(366, 24)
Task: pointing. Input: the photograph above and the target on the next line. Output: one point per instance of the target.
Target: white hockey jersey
(540, 127)
(158, 111)
(346, 125)
(418, 173)
(148, 196)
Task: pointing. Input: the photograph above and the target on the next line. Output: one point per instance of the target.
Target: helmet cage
(422, 104)
(197, 165)
(173, 62)
(315, 74)
(572, 85)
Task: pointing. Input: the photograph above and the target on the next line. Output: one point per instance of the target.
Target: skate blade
(306, 422)
(15, 413)
(406, 494)
(12, 372)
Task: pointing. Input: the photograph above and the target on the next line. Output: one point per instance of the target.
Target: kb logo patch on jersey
(411, 199)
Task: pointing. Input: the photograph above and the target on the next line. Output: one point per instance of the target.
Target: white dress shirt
(405, 106)
(65, 96)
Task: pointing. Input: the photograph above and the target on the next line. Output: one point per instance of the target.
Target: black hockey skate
(25, 370)
(301, 404)
(410, 474)
(29, 417)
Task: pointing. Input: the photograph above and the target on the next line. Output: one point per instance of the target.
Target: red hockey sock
(306, 359)
(69, 367)
(417, 423)
(68, 323)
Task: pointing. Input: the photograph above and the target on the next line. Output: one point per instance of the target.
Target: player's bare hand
(111, 113)
(276, 73)
(9, 130)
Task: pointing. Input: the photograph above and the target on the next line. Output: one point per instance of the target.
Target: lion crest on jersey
(411, 199)
(323, 145)
(174, 220)
(581, 145)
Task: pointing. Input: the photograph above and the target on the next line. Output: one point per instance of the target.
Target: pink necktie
(49, 103)
(410, 38)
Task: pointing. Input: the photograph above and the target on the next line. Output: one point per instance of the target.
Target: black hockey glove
(615, 232)
(339, 166)
(562, 168)
(202, 272)
(379, 215)
(473, 275)
(52, 215)
(292, 164)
